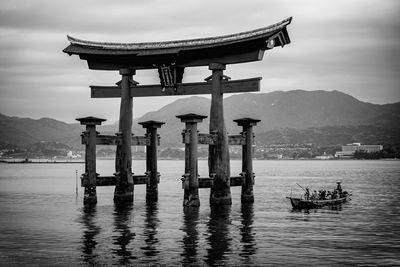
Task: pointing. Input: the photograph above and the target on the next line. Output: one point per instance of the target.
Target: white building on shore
(349, 149)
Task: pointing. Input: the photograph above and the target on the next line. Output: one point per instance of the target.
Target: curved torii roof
(228, 49)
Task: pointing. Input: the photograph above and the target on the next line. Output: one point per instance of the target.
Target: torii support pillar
(190, 178)
(123, 163)
(218, 156)
(151, 159)
(90, 175)
(247, 195)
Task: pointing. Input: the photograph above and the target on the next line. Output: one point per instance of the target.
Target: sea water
(44, 223)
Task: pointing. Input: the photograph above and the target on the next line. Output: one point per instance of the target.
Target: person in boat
(307, 194)
(322, 195)
(339, 188)
(335, 194)
(328, 195)
(314, 195)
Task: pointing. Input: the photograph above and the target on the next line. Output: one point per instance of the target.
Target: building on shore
(324, 156)
(349, 149)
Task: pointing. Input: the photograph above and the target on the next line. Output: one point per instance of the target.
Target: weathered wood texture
(236, 140)
(151, 159)
(202, 138)
(235, 86)
(124, 188)
(112, 180)
(90, 194)
(207, 182)
(247, 194)
(116, 140)
(218, 155)
(90, 162)
(191, 197)
(190, 182)
(211, 139)
(151, 166)
(90, 176)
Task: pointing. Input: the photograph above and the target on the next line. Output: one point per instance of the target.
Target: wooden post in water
(151, 159)
(90, 175)
(247, 195)
(190, 178)
(124, 187)
(218, 157)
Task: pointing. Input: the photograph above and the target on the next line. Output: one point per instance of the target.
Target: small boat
(300, 203)
(316, 202)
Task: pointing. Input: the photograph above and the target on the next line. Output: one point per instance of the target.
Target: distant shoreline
(39, 162)
(21, 161)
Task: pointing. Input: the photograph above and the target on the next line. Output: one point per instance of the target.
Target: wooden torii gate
(171, 58)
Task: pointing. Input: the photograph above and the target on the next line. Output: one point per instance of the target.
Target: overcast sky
(348, 45)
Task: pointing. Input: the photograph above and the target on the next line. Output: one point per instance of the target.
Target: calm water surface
(43, 223)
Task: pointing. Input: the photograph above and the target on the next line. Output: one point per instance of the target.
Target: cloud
(351, 46)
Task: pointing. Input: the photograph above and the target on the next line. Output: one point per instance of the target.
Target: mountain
(170, 132)
(304, 109)
(332, 135)
(298, 110)
(25, 131)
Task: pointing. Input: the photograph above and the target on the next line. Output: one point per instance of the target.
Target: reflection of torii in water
(122, 234)
(170, 59)
(90, 233)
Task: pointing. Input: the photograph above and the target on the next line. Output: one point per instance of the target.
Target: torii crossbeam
(171, 58)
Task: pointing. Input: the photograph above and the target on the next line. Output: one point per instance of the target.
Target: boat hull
(298, 203)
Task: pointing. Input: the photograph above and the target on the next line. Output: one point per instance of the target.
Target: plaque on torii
(170, 59)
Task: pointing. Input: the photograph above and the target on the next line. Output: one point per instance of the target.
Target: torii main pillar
(123, 163)
(218, 157)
